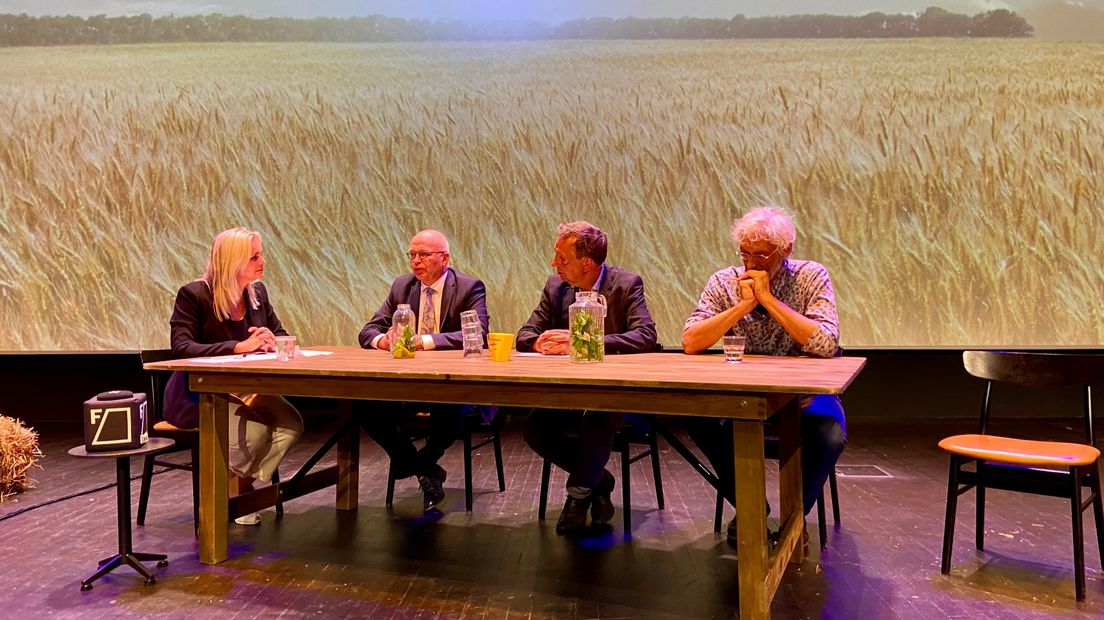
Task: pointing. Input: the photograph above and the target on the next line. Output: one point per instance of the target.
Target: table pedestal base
(127, 555)
(132, 559)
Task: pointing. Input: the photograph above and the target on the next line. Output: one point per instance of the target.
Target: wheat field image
(954, 189)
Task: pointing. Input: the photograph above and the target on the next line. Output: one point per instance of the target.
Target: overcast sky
(551, 11)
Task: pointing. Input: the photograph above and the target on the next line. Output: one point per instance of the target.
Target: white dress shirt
(438, 287)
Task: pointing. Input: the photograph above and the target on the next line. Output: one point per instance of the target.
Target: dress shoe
(772, 536)
(733, 539)
(601, 506)
(574, 515)
(433, 491)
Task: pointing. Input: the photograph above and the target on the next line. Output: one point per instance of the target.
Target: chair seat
(166, 427)
(1021, 451)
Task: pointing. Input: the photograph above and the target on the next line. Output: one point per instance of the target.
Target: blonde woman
(226, 312)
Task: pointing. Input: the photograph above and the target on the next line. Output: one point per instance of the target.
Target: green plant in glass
(403, 347)
(586, 338)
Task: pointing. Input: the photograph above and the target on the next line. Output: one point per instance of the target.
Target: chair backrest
(1037, 370)
(158, 379)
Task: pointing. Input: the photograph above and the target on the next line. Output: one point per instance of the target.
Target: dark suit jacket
(462, 292)
(196, 332)
(629, 326)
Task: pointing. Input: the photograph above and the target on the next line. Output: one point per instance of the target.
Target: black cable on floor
(56, 500)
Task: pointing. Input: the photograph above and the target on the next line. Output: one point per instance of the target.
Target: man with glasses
(579, 442)
(437, 293)
(782, 306)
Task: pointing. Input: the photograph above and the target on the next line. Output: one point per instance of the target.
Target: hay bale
(18, 452)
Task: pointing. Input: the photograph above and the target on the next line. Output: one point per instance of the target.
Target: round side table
(127, 555)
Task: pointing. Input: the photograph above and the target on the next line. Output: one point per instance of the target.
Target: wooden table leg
(348, 460)
(213, 449)
(751, 518)
(789, 481)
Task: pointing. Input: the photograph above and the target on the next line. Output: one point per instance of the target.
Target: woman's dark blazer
(196, 332)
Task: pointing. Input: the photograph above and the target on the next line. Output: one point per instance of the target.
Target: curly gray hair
(773, 224)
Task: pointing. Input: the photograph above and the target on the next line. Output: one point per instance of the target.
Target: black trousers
(579, 442)
(390, 425)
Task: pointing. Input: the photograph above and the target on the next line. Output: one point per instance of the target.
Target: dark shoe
(433, 492)
(774, 536)
(601, 509)
(574, 515)
(733, 539)
(601, 506)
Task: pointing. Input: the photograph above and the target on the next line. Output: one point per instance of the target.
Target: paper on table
(252, 357)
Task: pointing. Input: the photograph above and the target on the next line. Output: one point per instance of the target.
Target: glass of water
(733, 349)
(285, 348)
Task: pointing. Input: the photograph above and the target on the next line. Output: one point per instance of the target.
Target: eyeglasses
(423, 254)
(758, 256)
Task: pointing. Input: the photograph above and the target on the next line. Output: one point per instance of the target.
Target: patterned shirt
(800, 284)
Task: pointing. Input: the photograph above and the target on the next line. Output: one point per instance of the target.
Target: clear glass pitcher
(403, 332)
(587, 319)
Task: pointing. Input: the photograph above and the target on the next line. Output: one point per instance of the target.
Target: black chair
(771, 452)
(638, 430)
(187, 440)
(1050, 468)
(474, 424)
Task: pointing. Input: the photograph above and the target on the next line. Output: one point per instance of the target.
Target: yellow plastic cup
(500, 345)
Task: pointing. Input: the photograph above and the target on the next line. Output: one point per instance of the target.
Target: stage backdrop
(953, 187)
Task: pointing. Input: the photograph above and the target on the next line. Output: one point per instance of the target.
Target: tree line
(25, 30)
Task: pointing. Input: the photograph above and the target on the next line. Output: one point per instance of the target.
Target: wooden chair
(474, 424)
(1051, 468)
(638, 430)
(187, 440)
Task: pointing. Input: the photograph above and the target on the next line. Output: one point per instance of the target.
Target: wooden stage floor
(499, 562)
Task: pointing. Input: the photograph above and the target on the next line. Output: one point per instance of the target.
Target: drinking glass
(472, 331)
(285, 348)
(733, 349)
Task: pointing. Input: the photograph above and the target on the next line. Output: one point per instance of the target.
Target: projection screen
(952, 186)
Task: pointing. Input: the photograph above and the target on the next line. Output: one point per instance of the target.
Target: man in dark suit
(580, 441)
(437, 294)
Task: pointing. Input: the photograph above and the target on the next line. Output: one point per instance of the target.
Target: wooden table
(654, 383)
